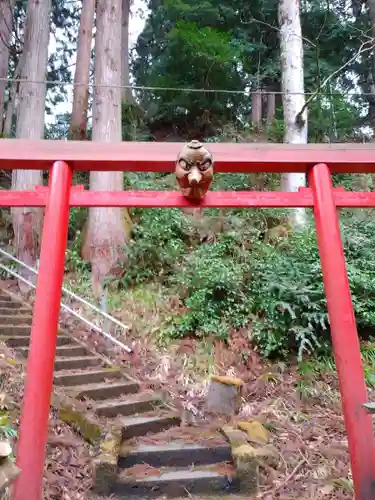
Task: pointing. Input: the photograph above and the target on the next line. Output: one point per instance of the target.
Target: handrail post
(344, 334)
(40, 365)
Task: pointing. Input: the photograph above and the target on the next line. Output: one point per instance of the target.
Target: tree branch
(361, 50)
(11, 49)
(276, 28)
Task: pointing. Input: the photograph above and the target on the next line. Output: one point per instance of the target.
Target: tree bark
(12, 99)
(127, 96)
(292, 84)
(6, 12)
(371, 83)
(27, 222)
(78, 123)
(106, 236)
(270, 108)
(256, 108)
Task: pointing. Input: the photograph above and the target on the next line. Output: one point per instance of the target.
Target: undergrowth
(228, 274)
(312, 368)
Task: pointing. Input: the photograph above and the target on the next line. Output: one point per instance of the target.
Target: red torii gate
(317, 160)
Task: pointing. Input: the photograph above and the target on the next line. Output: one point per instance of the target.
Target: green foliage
(311, 368)
(157, 247)
(6, 431)
(235, 47)
(288, 303)
(228, 277)
(212, 281)
(77, 218)
(288, 297)
(133, 123)
(333, 119)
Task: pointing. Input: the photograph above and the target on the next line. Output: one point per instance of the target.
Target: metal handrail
(68, 292)
(71, 311)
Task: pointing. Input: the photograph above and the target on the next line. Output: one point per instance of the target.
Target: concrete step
(61, 351)
(16, 320)
(128, 405)
(369, 408)
(176, 483)
(80, 377)
(23, 341)
(174, 454)
(4, 302)
(15, 311)
(105, 390)
(141, 425)
(76, 363)
(14, 330)
(5, 297)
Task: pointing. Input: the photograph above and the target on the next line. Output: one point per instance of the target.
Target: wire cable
(182, 89)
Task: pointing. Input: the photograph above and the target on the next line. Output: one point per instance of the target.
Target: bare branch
(276, 28)
(11, 49)
(361, 50)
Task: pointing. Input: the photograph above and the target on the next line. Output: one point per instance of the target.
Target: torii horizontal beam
(79, 197)
(161, 157)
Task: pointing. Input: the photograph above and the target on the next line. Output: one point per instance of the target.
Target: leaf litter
(306, 427)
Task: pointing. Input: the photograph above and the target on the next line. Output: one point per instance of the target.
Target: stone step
(369, 408)
(4, 302)
(174, 454)
(5, 297)
(105, 390)
(130, 405)
(14, 330)
(141, 425)
(176, 483)
(80, 377)
(23, 341)
(15, 311)
(61, 351)
(16, 320)
(76, 363)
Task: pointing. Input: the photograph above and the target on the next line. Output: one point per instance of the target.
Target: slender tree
(127, 96)
(30, 125)
(370, 83)
(78, 123)
(106, 235)
(256, 108)
(292, 83)
(6, 7)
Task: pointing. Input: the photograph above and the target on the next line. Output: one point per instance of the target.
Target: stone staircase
(126, 466)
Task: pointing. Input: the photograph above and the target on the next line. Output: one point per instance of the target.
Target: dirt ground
(307, 430)
(302, 413)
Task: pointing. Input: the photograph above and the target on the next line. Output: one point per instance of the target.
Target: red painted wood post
(38, 387)
(344, 334)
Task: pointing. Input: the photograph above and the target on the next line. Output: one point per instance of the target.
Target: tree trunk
(30, 125)
(106, 236)
(12, 99)
(78, 123)
(6, 11)
(371, 83)
(292, 84)
(127, 96)
(256, 108)
(270, 108)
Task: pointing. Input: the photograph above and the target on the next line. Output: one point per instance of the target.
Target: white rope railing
(67, 308)
(69, 292)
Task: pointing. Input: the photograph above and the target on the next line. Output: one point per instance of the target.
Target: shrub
(230, 277)
(159, 242)
(212, 283)
(277, 290)
(288, 303)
